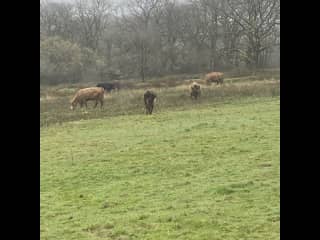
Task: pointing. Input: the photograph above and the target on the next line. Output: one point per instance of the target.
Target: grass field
(206, 170)
(173, 94)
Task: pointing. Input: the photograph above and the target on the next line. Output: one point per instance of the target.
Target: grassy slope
(211, 173)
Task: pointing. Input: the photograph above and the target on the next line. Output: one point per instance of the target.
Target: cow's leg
(85, 103)
(101, 103)
(96, 103)
(151, 108)
(147, 105)
(81, 104)
(148, 108)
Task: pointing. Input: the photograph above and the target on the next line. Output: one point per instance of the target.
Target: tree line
(103, 39)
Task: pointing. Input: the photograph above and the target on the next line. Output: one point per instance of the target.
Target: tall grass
(54, 101)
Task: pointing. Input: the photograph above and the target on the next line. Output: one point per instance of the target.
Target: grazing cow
(149, 99)
(108, 86)
(195, 90)
(216, 77)
(86, 94)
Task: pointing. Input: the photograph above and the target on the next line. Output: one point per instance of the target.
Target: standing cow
(109, 86)
(216, 77)
(195, 90)
(87, 94)
(149, 99)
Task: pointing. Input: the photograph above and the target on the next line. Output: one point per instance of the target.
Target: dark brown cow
(109, 86)
(195, 90)
(216, 77)
(86, 94)
(149, 99)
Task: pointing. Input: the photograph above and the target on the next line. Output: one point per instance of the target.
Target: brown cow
(216, 77)
(195, 90)
(149, 99)
(86, 94)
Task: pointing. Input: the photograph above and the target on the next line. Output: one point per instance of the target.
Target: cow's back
(214, 77)
(91, 93)
(107, 86)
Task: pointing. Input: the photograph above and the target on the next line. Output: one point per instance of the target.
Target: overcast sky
(74, 0)
(60, 0)
(111, 0)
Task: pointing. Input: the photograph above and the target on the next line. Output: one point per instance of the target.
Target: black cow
(149, 99)
(109, 86)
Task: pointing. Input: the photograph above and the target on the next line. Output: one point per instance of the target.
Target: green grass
(206, 172)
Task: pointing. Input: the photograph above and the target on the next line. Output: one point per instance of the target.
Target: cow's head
(73, 105)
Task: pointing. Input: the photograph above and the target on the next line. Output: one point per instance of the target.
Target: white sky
(111, 0)
(74, 0)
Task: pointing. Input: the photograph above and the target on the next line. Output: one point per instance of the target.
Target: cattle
(195, 90)
(149, 99)
(109, 86)
(216, 77)
(87, 94)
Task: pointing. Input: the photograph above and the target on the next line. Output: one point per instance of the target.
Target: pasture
(193, 170)
(173, 94)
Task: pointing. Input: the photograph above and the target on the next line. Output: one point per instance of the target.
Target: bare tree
(169, 25)
(141, 12)
(57, 19)
(258, 20)
(210, 12)
(93, 18)
(154, 37)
